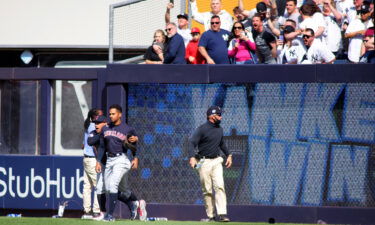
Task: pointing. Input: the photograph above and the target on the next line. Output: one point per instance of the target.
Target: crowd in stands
(306, 32)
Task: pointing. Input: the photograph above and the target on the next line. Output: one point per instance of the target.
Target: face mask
(217, 122)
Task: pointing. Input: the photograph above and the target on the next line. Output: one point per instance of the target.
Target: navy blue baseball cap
(100, 119)
(183, 15)
(214, 110)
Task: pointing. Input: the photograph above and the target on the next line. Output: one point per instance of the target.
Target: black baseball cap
(184, 15)
(100, 119)
(365, 8)
(214, 110)
(261, 7)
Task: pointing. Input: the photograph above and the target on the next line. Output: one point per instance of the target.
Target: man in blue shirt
(175, 50)
(213, 43)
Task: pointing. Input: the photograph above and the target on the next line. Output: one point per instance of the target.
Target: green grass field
(70, 221)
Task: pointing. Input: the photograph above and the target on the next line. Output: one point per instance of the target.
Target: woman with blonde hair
(154, 53)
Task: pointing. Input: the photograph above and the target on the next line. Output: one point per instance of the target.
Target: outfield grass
(71, 221)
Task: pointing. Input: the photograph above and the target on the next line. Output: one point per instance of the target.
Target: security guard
(209, 139)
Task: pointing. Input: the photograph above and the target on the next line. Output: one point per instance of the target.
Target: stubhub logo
(40, 185)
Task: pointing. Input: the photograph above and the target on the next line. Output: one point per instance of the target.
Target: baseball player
(127, 197)
(118, 164)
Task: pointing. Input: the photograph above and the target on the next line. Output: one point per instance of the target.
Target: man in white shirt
(291, 12)
(355, 32)
(317, 52)
(332, 34)
(205, 17)
(291, 50)
(183, 23)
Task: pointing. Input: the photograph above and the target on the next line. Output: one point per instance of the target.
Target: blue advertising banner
(40, 182)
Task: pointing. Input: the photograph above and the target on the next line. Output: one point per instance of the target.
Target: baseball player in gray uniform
(118, 164)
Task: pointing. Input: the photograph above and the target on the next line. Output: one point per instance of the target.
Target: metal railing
(112, 7)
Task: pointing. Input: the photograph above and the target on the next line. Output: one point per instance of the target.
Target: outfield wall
(302, 136)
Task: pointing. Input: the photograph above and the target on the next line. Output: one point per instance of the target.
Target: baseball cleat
(86, 216)
(98, 216)
(142, 210)
(108, 218)
(134, 209)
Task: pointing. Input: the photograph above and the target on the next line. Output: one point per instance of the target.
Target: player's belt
(88, 156)
(210, 157)
(109, 154)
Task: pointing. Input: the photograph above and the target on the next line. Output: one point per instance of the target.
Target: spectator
(317, 51)
(369, 49)
(213, 43)
(332, 35)
(292, 50)
(291, 12)
(347, 10)
(240, 17)
(265, 42)
(175, 50)
(154, 53)
(205, 18)
(91, 208)
(182, 21)
(240, 46)
(355, 32)
(263, 7)
(312, 18)
(193, 56)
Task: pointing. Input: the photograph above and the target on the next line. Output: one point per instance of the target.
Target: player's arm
(100, 155)
(192, 146)
(228, 154)
(93, 139)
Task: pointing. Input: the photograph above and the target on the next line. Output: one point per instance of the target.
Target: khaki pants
(89, 183)
(211, 176)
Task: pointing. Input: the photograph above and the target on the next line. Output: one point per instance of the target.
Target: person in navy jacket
(175, 50)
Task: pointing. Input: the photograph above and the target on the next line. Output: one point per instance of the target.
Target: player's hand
(191, 59)
(135, 163)
(133, 139)
(98, 167)
(193, 162)
(228, 163)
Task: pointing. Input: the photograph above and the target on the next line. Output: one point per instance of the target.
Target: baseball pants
(115, 174)
(89, 183)
(211, 176)
(100, 186)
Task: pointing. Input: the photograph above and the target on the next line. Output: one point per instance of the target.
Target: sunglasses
(168, 29)
(238, 28)
(212, 23)
(306, 36)
(194, 34)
